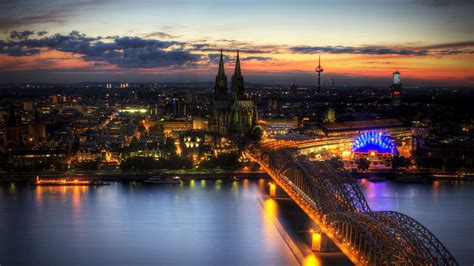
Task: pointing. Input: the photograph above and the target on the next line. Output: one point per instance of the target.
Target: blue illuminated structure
(374, 141)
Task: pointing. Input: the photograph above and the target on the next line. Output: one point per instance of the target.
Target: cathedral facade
(232, 113)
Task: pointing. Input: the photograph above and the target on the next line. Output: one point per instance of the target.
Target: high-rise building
(293, 89)
(36, 128)
(12, 135)
(331, 116)
(396, 88)
(179, 106)
(231, 114)
(53, 99)
(272, 104)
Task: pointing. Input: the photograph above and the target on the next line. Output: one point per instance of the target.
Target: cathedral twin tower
(237, 91)
(231, 114)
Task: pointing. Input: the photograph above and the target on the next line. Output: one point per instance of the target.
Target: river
(198, 223)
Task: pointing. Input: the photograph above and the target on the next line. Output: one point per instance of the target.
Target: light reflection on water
(198, 223)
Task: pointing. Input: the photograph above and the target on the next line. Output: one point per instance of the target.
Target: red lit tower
(396, 88)
(319, 70)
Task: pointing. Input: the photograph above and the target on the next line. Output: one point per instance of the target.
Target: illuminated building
(276, 126)
(373, 143)
(28, 106)
(231, 114)
(396, 88)
(391, 126)
(53, 99)
(200, 123)
(169, 127)
(32, 158)
(336, 139)
(331, 116)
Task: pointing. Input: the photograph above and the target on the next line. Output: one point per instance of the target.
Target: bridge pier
(273, 190)
(320, 242)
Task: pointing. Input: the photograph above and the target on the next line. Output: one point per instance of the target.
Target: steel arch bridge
(334, 201)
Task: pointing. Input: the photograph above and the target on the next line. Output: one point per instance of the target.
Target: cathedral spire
(237, 72)
(220, 89)
(237, 89)
(221, 72)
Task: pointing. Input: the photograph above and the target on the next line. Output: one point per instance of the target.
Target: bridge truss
(334, 201)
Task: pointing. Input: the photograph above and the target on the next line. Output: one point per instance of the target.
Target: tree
(170, 147)
(133, 146)
(88, 165)
(363, 164)
(400, 162)
(256, 135)
(336, 163)
(453, 163)
(226, 161)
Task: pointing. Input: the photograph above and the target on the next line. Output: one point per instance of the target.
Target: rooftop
(361, 125)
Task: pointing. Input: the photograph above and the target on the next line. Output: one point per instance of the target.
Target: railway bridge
(334, 201)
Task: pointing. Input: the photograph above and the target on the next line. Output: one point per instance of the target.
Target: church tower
(237, 89)
(220, 89)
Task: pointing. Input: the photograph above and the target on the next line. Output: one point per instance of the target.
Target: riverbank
(429, 175)
(117, 175)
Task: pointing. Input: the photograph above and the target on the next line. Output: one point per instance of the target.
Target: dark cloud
(214, 58)
(203, 47)
(161, 35)
(17, 14)
(41, 33)
(136, 42)
(12, 49)
(465, 44)
(28, 20)
(438, 49)
(257, 58)
(21, 35)
(126, 52)
(355, 50)
(443, 3)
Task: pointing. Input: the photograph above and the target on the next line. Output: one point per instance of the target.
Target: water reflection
(312, 260)
(140, 224)
(235, 186)
(218, 185)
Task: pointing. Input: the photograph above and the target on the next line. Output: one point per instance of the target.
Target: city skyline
(430, 42)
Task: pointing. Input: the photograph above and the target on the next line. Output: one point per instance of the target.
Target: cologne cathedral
(232, 114)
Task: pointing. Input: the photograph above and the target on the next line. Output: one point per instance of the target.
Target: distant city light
(142, 111)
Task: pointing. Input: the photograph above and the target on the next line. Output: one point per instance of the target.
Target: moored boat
(68, 182)
(159, 180)
(407, 178)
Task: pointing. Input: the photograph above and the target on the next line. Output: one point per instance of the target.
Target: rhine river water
(197, 223)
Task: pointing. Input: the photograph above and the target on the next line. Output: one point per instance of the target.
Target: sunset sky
(431, 42)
